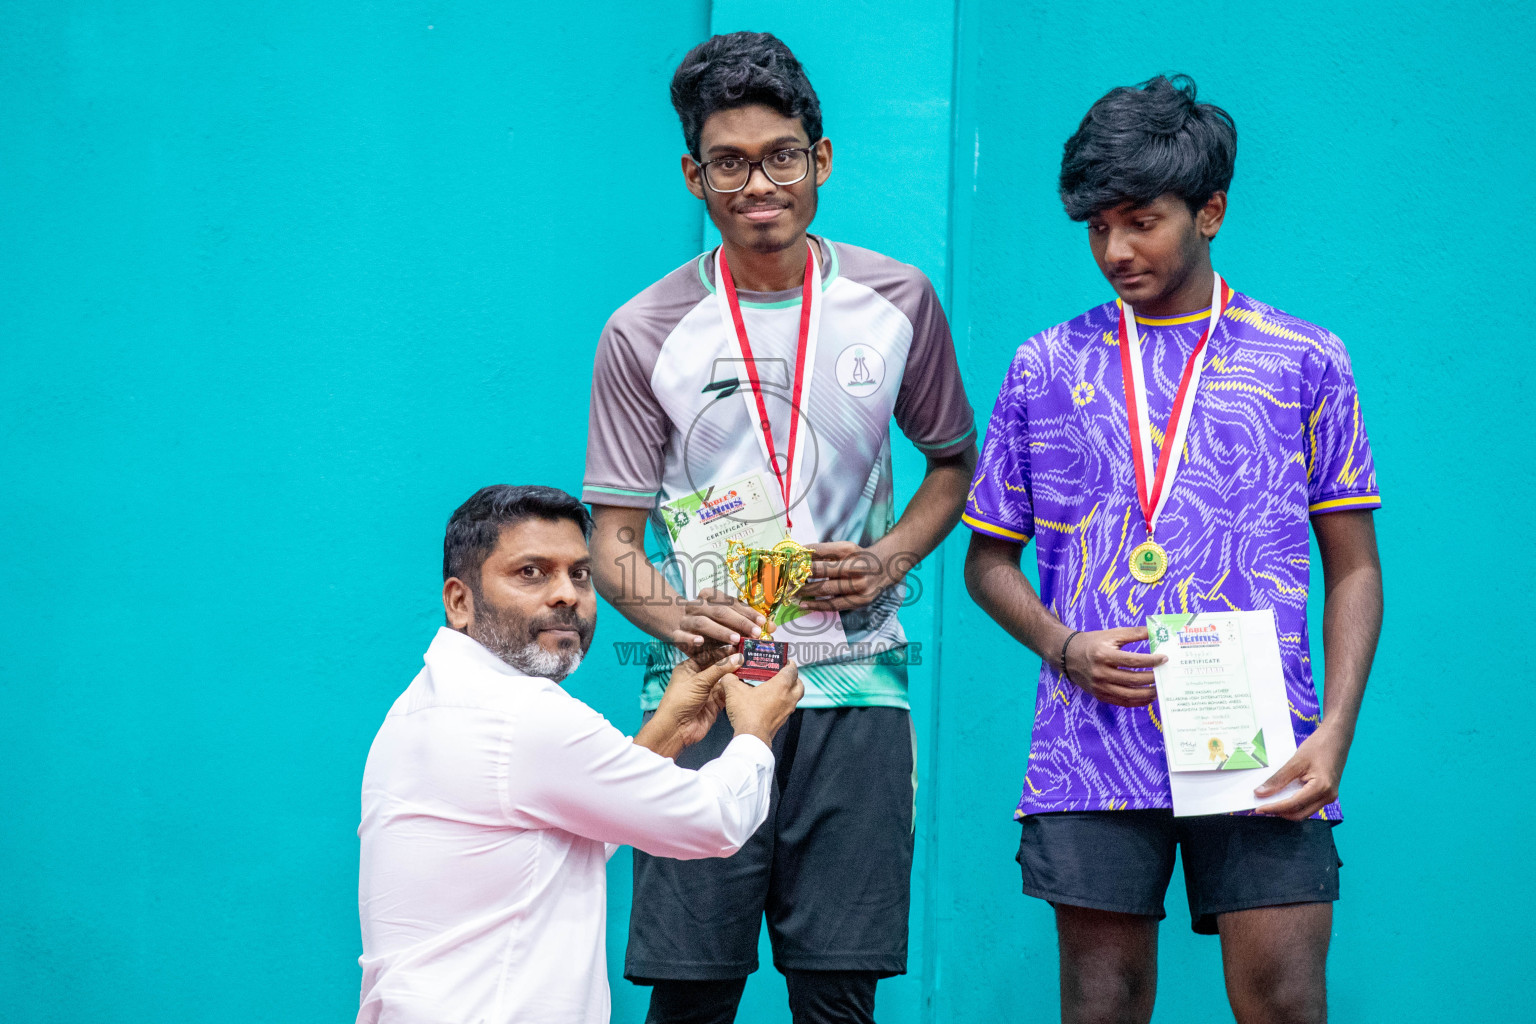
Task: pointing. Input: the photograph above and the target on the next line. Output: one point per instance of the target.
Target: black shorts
(1122, 860)
(831, 866)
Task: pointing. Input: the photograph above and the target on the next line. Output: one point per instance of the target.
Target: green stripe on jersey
(846, 685)
(945, 444)
(619, 490)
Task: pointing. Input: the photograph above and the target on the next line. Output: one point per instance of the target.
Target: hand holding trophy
(766, 580)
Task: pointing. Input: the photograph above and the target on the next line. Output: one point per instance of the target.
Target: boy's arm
(932, 411)
(1094, 659)
(1352, 609)
(628, 581)
(854, 576)
(627, 435)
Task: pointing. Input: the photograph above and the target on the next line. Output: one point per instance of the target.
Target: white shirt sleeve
(567, 767)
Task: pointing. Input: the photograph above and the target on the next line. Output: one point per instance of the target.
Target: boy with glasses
(781, 357)
(1217, 521)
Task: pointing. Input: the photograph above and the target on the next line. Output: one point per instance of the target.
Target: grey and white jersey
(666, 420)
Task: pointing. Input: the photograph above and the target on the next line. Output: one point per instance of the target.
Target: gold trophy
(767, 580)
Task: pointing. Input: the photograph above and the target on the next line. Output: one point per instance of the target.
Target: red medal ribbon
(728, 284)
(1150, 498)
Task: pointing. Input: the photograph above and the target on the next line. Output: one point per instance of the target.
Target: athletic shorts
(1122, 860)
(831, 867)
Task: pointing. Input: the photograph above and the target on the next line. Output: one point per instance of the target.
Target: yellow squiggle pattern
(1252, 389)
(1350, 472)
(1112, 577)
(1082, 532)
(1214, 590)
(1256, 320)
(1315, 719)
(1281, 587)
(1183, 588)
(1312, 420)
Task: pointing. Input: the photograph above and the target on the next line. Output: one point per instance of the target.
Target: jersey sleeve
(931, 407)
(999, 502)
(627, 429)
(1341, 475)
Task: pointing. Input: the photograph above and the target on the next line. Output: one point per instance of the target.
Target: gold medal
(1148, 561)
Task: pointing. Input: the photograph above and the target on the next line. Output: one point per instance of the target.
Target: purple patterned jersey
(1276, 436)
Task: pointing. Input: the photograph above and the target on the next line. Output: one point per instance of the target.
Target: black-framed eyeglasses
(782, 167)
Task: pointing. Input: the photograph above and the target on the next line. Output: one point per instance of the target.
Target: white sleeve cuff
(747, 747)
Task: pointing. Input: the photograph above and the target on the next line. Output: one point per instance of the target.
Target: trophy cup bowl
(766, 580)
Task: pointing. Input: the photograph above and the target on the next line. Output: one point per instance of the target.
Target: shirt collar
(450, 647)
(772, 300)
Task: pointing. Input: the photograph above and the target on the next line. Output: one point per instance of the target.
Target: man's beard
(514, 640)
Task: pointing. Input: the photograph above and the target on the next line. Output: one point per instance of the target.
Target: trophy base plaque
(761, 659)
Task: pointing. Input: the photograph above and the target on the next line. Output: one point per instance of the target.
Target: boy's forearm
(626, 578)
(1352, 613)
(651, 604)
(931, 514)
(997, 584)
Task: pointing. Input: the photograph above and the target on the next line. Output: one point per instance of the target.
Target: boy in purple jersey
(1275, 443)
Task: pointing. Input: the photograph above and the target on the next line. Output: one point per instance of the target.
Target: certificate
(700, 525)
(1222, 707)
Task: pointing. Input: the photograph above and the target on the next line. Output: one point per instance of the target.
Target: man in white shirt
(492, 798)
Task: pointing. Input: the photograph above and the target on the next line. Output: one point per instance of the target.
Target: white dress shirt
(488, 799)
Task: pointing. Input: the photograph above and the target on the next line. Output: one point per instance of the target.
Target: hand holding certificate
(1098, 662)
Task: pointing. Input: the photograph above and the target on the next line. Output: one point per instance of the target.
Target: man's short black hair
(738, 70)
(475, 526)
(1136, 144)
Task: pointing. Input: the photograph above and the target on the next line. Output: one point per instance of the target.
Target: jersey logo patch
(727, 388)
(860, 370)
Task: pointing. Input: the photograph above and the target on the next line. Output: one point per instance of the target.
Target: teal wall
(282, 283)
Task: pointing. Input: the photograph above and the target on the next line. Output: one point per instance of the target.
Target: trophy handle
(796, 560)
(735, 554)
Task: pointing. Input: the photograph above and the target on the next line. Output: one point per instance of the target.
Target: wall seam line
(962, 182)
